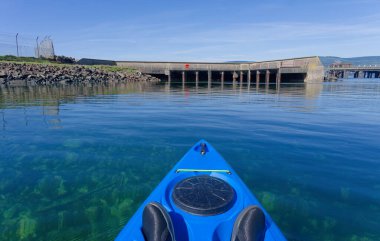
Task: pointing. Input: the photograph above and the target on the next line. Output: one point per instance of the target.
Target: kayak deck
(207, 220)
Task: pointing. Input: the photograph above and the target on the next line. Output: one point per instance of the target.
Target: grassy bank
(11, 58)
(32, 60)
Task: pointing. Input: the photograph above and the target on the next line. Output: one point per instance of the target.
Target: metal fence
(26, 45)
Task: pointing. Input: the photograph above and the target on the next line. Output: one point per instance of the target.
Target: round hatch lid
(203, 195)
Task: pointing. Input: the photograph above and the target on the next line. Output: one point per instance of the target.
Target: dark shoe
(249, 225)
(157, 224)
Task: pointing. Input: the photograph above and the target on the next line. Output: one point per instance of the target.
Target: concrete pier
(308, 69)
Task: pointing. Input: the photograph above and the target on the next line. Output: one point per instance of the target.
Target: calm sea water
(76, 161)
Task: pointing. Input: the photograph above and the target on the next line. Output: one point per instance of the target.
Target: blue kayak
(203, 196)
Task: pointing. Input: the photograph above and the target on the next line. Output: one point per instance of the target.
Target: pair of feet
(157, 224)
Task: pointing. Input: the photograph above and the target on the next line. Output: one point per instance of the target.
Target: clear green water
(76, 162)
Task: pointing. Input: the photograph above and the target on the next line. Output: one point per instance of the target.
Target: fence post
(38, 48)
(17, 44)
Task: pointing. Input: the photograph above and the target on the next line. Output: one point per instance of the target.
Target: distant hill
(367, 60)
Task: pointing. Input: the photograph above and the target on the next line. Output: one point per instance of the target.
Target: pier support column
(241, 77)
(169, 77)
(209, 79)
(249, 79)
(234, 76)
(345, 74)
(222, 77)
(257, 78)
(267, 76)
(361, 75)
(278, 77)
(183, 78)
(196, 80)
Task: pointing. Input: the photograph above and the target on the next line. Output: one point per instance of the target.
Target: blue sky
(218, 30)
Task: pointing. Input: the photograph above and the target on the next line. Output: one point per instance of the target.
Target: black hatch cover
(203, 195)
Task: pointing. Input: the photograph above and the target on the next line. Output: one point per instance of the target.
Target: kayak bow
(197, 215)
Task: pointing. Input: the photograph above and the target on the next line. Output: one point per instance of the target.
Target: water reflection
(13, 96)
(309, 90)
(49, 98)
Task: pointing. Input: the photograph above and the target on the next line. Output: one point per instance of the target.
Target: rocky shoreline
(45, 74)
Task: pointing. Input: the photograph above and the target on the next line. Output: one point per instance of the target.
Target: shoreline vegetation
(33, 71)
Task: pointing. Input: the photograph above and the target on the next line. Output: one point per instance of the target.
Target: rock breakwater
(44, 74)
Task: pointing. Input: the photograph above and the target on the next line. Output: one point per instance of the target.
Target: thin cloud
(154, 41)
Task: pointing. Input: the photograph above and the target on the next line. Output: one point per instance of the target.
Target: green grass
(12, 58)
(32, 60)
(111, 68)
